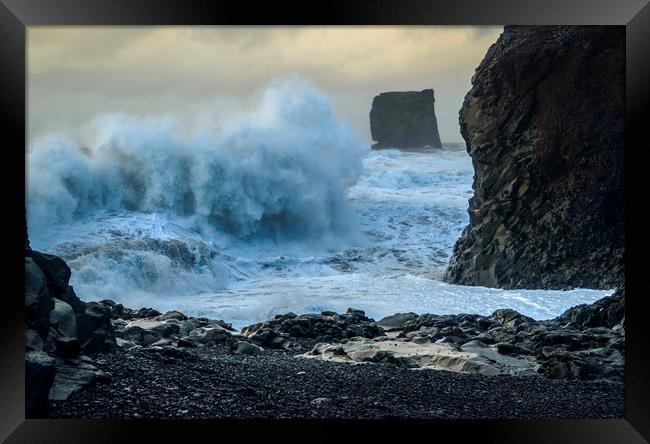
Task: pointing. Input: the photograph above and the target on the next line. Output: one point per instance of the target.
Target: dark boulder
(404, 120)
(38, 301)
(95, 330)
(70, 298)
(63, 319)
(39, 375)
(146, 313)
(510, 318)
(544, 124)
(33, 340)
(245, 348)
(75, 375)
(606, 312)
(177, 315)
(318, 327)
(67, 346)
(396, 321)
(56, 271)
(59, 327)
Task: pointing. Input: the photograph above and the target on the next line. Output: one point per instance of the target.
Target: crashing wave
(279, 172)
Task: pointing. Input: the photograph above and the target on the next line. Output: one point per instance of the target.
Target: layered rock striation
(544, 125)
(404, 119)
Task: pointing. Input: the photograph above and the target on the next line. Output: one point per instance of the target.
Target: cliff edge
(544, 125)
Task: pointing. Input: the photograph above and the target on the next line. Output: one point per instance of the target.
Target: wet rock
(544, 124)
(215, 335)
(510, 318)
(176, 315)
(585, 364)
(313, 326)
(606, 312)
(146, 313)
(586, 342)
(473, 357)
(396, 321)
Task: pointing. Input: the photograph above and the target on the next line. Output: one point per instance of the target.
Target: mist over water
(280, 209)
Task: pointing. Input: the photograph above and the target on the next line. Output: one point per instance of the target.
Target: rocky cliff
(404, 120)
(62, 333)
(544, 125)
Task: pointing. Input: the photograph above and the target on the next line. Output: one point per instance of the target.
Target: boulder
(396, 321)
(146, 313)
(208, 336)
(606, 312)
(246, 348)
(56, 271)
(473, 357)
(70, 298)
(33, 340)
(38, 301)
(72, 377)
(67, 346)
(63, 320)
(96, 332)
(312, 326)
(544, 124)
(586, 342)
(509, 317)
(39, 375)
(177, 315)
(404, 120)
(58, 327)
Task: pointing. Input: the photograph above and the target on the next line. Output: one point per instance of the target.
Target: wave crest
(280, 171)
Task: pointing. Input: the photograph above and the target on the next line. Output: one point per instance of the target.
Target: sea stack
(544, 124)
(404, 119)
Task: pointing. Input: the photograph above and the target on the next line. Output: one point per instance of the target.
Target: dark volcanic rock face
(544, 125)
(61, 333)
(404, 120)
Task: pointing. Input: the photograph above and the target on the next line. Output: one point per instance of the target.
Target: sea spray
(278, 172)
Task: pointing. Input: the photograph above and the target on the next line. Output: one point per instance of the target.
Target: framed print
(368, 216)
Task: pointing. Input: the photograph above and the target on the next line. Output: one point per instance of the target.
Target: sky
(201, 74)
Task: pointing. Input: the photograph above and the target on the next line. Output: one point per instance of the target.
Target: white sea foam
(280, 171)
(282, 209)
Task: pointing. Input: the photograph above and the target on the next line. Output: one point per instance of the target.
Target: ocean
(281, 209)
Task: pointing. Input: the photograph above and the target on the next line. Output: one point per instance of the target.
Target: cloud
(162, 69)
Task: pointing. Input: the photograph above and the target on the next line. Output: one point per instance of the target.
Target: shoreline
(173, 366)
(104, 360)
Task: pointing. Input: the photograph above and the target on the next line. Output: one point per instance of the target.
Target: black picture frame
(16, 15)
